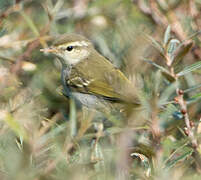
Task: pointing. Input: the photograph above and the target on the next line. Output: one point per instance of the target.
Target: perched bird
(88, 76)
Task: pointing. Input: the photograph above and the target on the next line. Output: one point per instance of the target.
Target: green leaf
(166, 94)
(167, 115)
(16, 127)
(156, 65)
(30, 23)
(196, 96)
(192, 88)
(172, 47)
(181, 52)
(194, 99)
(178, 159)
(192, 36)
(156, 44)
(167, 35)
(190, 68)
(7, 59)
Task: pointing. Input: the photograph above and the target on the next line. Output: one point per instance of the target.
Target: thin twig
(182, 103)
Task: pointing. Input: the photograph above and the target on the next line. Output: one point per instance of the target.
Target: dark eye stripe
(69, 48)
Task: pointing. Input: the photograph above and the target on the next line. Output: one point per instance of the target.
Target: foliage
(44, 135)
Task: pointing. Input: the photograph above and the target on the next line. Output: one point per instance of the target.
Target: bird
(88, 76)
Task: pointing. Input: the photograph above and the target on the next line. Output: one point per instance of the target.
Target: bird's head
(70, 48)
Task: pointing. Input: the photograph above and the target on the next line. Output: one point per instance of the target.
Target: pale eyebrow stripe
(76, 43)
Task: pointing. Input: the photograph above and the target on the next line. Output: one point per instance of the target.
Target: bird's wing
(98, 87)
(112, 85)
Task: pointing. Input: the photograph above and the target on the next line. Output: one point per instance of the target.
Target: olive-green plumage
(86, 72)
(105, 80)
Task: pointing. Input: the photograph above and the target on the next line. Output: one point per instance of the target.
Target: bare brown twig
(16, 68)
(182, 103)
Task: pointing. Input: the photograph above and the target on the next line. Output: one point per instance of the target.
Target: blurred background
(43, 135)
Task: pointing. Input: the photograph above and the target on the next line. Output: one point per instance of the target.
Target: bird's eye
(69, 48)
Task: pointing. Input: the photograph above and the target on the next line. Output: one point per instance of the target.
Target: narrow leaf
(7, 59)
(30, 23)
(167, 35)
(190, 68)
(181, 52)
(172, 47)
(166, 94)
(178, 159)
(16, 127)
(156, 44)
(196, 96)
(192, 88)
(156, 65)
(192, 36)
(194, 99)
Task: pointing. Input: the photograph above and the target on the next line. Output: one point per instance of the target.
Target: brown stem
(183, 106)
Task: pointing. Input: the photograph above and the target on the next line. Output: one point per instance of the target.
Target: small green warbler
(88, 76)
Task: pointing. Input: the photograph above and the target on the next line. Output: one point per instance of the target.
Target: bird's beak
(49, 50)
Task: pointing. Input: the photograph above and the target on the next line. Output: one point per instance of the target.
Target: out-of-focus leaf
(167, 117)
(193, 35)
(156, 44)
(117, 130)
(172, 148)
(172, 163)
(2, 32)
(167, 93)
(7, 59)
(168, 76)
(98, 159)
(156, 65)
(158, 78)
(114, 130)
(16, 127)
(178, 68)
(73, 121)
(167, 35)
(194, 98)
(58, 6)
(190, 68)
(181, 52)
(5, 4)
(30, 23)
(177, 115)
(54, 132)
(192, 88)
